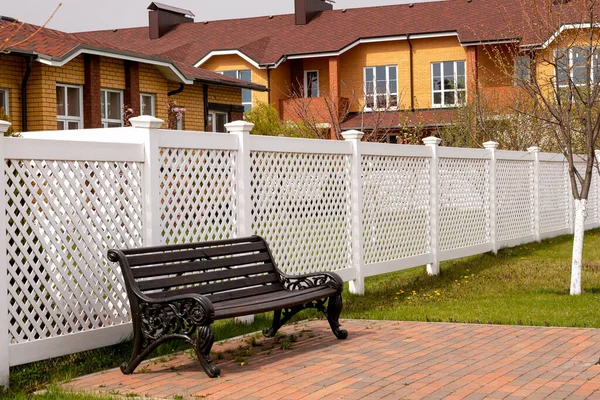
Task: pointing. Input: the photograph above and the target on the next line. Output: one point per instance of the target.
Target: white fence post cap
(490, 145)
(352, 135)
(432, 141)
(533, 149)
(146, 121)
(239, 126)
(4, 125)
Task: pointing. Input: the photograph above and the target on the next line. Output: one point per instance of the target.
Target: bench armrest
(299, 282)
(174, 315)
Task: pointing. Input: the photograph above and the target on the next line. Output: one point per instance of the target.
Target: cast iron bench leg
(204, 343)
(334, 309)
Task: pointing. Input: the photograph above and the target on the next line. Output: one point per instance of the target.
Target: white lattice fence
(396, 207)
(555, 195)
(515, 197)
(62, 217)
(301, 206)
(198, 195)
(464, 189)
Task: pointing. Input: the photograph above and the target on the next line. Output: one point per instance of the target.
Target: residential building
(53, 80)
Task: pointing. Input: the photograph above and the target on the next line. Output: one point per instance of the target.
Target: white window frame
(6, 98)
(238, 72)
(442, 91)
(213, 114)
(67, 118)
(593, 68)
(306, 83)
(388, 94)
(105, 121)
(152, 102)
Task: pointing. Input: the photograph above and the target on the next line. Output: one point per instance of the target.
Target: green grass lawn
(527, 285)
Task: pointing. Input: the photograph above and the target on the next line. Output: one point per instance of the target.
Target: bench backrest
(221, 270)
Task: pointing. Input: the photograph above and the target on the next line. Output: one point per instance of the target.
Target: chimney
(162, 18)
(308, 9)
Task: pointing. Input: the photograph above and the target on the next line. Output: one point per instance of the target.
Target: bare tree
(560, 74)
(10, 32)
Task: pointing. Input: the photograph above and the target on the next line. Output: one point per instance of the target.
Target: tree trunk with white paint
(580, 215)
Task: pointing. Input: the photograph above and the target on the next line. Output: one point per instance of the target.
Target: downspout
(205, 100)
(412, 84)
(177, 91)
(29, 62)
(268, 85)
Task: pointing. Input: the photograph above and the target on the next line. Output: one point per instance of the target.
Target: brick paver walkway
(383, 359)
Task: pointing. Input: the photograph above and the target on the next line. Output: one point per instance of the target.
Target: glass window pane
(369, 75)
(209, 125)
(393, 74)
(60, 100)
(370, 101)
(246, 75)
(221, 120)
(114, 124)
(437, 84)
(393, 87)
(448, 83)
(462, 96)
(60, 125)
(381, 101)
(246, 96)
(460, 83)
(3, 104)
(436, 70)
(448, 68)
(73, 102)
(231, 74)
(369, 89)
(114, 105)
(393, 100)
(437, 98)
(460, 68)
(449, 98)
(247, 107)
(380, 73)
(381, 86)
(73, 125)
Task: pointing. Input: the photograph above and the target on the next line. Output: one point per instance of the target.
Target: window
(217, 121)
(4, 100)
(69, 106)
(111, 102)
(573, 63)
(381, 87)
(147, 104)
(311, 83)
(243, 75)
(448, 83)
(522, 70)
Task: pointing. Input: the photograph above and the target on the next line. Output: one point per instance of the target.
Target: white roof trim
(175, 70)
(563, 28)
(227, 53)
(324, 54)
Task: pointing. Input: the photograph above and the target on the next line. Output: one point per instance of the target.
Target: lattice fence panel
(198, 195)
(515, 195)
(555, 194)
(396, 207)
(62, 217)
(301, 206)
(592, 203)
(464, 187)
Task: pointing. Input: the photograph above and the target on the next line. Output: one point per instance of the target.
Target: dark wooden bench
(177, 291)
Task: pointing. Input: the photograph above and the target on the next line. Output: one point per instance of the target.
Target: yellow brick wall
(41, 101)
(152, 81)
(112, 73)
(12, 72)
(192, 99)
(235, 62)
(280, 84)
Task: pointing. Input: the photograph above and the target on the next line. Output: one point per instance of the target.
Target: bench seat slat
(270, 302)
(202, 265)
(275, 287)
(203, 277)
(194, 253)
(184, 246)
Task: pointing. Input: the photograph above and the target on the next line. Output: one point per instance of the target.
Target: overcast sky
(85, 15)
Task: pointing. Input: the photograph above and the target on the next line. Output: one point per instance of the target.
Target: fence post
(243, 174)
(4, 320)
(147, 125)
(536, 191)
(357, 286)
(492, 146)
(433, 143)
